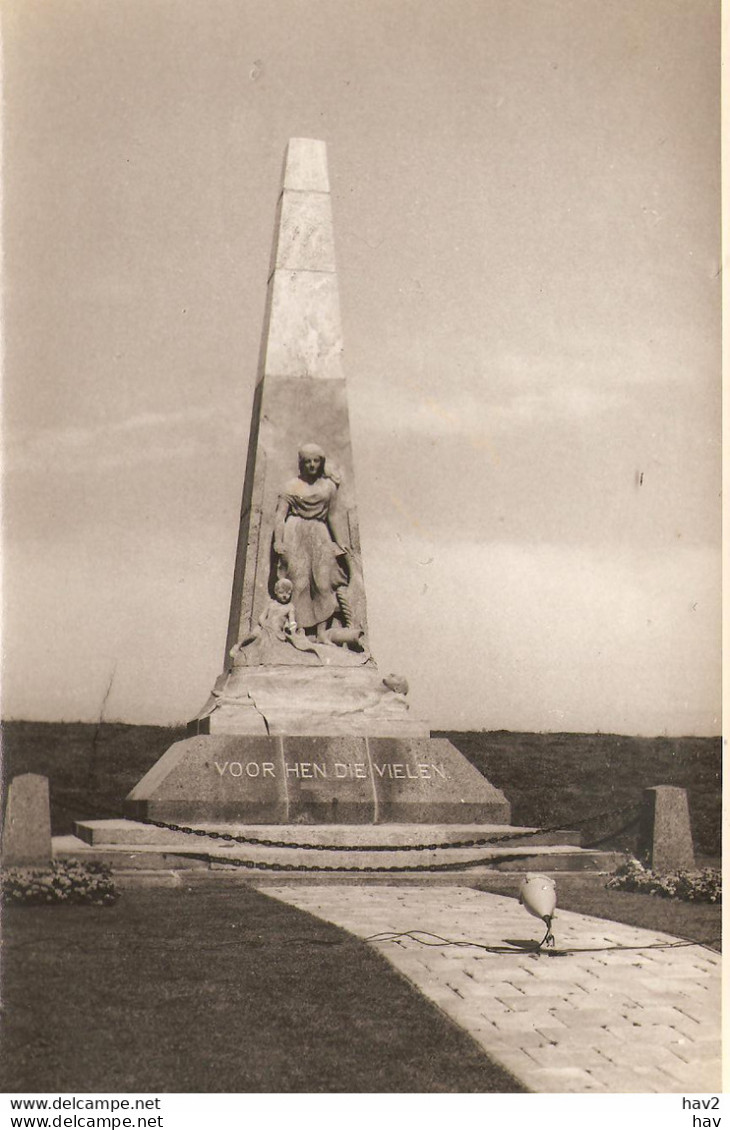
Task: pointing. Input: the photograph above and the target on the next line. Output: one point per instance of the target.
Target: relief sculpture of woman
(310, 542)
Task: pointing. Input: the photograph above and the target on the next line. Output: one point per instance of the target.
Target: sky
(526, 210)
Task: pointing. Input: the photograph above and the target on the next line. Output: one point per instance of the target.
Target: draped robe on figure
(310, 553)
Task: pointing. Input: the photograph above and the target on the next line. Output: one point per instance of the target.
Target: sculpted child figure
(276, 627)
(310, 542)
(279, 616)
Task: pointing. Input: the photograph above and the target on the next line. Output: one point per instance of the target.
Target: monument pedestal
(246, 779)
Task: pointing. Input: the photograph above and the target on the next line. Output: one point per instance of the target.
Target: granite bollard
(26, 835)
(665, 834)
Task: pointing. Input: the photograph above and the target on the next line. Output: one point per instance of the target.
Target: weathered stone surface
(305, 338)
(26, 835)
(224, 778)
(306, 241)
(130, 833)
(429, 780)
(302, 328)
(305, 167)
(665, 837)
(216, 777)
(307, 701)
(328, 780)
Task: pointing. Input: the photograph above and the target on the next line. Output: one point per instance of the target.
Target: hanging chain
(461, 865)
(484, 841)
(251, 864)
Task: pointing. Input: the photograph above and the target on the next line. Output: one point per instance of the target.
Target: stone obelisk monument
(301, 725)
(277, 680)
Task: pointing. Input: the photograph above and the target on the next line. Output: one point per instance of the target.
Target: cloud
(482, 385)
(550, 637)
(490, 410)
(147, 437)
(498, 636)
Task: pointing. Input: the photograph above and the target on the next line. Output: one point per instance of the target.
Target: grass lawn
(587, 894)
(217, 990)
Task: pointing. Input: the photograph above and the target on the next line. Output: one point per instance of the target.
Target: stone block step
(131, 832)
(191, 852)
(142, 857)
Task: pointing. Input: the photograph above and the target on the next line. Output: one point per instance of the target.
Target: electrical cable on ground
(421, 937)
(415, 935)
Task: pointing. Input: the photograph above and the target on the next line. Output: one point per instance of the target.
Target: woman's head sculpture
(313, 464)
(311, 461)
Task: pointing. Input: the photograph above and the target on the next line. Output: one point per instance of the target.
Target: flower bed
(690, 886)
(67, 881)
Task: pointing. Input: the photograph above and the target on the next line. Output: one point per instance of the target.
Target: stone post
(665, 836)
(26, 835)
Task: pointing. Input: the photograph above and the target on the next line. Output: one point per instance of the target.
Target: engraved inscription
(315, 770)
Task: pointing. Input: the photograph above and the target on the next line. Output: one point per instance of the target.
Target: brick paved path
(639, 1021)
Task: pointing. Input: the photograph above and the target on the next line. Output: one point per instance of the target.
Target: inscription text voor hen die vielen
(313, 770)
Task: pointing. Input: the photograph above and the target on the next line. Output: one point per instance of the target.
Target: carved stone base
(305, 701)
(316, 780)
